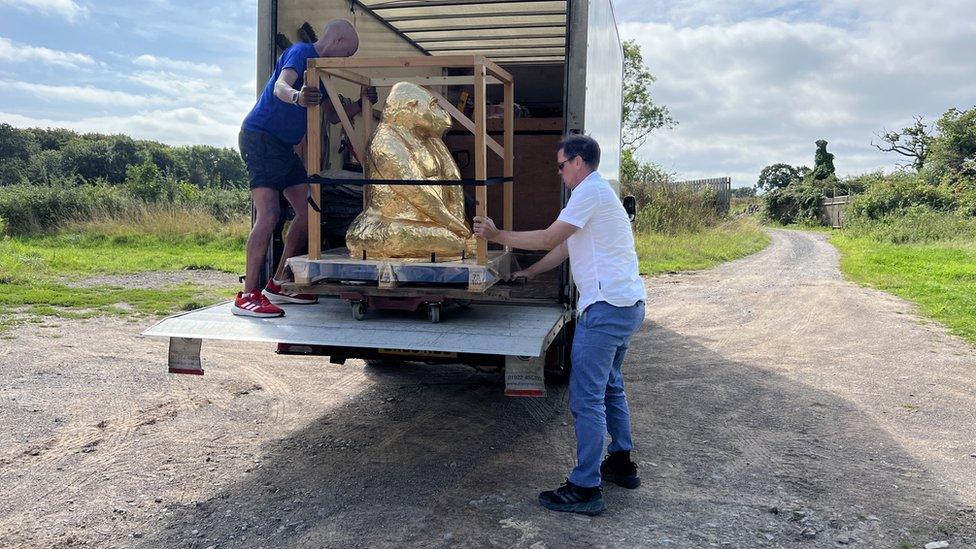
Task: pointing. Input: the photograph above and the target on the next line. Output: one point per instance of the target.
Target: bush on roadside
(886, 194)
(35, 209)
(913, 224)
(795, 203)
(675, 210)
(145, 182)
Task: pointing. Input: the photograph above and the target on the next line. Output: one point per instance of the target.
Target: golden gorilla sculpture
(410, 221)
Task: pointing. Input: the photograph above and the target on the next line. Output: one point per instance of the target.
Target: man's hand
(369, 92)
(309, 96)
(485, 228)
(527, 274)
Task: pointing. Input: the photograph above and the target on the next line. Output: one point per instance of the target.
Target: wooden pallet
(390, 274)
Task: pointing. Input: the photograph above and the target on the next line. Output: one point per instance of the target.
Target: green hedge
(34, 209)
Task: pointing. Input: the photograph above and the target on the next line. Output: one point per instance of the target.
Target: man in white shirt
(593, 231)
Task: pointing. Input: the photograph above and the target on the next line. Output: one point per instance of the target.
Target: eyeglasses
(563, 163)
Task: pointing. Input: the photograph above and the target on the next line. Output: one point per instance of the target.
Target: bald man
(268, 138)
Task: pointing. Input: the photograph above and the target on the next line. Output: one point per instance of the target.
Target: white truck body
(567, 58)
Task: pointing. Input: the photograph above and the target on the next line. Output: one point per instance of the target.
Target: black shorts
(271, 162)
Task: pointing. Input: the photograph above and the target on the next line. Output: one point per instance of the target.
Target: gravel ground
(775, 405)
(159, 279)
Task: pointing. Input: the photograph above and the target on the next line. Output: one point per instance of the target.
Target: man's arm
(550, 261)
(546, 239)
(284, 90)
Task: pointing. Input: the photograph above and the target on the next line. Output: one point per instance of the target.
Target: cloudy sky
(751, 82)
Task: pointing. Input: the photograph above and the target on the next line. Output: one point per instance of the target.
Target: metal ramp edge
(523, 330)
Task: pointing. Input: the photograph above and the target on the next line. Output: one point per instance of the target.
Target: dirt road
(775, 405)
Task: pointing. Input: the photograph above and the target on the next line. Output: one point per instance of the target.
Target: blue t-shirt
(286, 121)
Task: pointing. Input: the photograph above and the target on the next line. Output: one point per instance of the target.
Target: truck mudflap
(516, 336)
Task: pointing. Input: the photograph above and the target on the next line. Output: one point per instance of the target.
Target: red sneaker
(254, 303)
(276, 294)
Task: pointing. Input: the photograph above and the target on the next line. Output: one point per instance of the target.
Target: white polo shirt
(601, 253)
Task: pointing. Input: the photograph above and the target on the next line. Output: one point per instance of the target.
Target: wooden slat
(501, 73)
(480, 156)
(394, 62)
(357, 147)
(349, 76)
(313, 164)
(508, 190)
(367, 122)
(432, 80)
(467, 122)
(442, 61)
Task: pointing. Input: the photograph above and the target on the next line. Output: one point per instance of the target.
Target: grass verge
(37, 272)
(939, 276)
(659, 253)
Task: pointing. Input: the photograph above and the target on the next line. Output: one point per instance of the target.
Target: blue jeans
(596, 385)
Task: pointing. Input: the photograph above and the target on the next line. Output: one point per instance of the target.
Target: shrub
(795, 203)
(224, 204)
(144, 181)
(187, 192)
(29, 209)
(675, 210)
(913, 224)
(887, 194)
(36, 209)
(641, 183)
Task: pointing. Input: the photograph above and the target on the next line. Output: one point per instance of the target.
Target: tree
(779, 176)
(912, 141)
(144, 181)
(16, 143)
(743, 192)
(89, 159)
(641, 115)
(52, 138)
(823, 162)
(954, 150)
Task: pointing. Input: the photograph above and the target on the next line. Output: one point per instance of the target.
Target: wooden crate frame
(323, 69)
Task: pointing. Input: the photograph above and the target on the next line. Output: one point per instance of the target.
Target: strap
(308, 198)
(441, 182)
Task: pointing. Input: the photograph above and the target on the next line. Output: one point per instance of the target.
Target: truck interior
(528, 38)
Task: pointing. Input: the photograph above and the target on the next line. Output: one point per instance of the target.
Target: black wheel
(434, 313)
(358, 310)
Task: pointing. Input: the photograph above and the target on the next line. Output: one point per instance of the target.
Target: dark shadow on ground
(731, 456)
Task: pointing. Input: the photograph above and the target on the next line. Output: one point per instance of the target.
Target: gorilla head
(411, 107)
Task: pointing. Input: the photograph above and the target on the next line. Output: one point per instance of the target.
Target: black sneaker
(570, 498)
(618, 469)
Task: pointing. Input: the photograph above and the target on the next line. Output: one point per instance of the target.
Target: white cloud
(169, 83)
(69, 9)
(82, 94)
(178, 65)
(751, 84)
(13, 52)
(152, 90)
(223, 103)
(180, 126)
